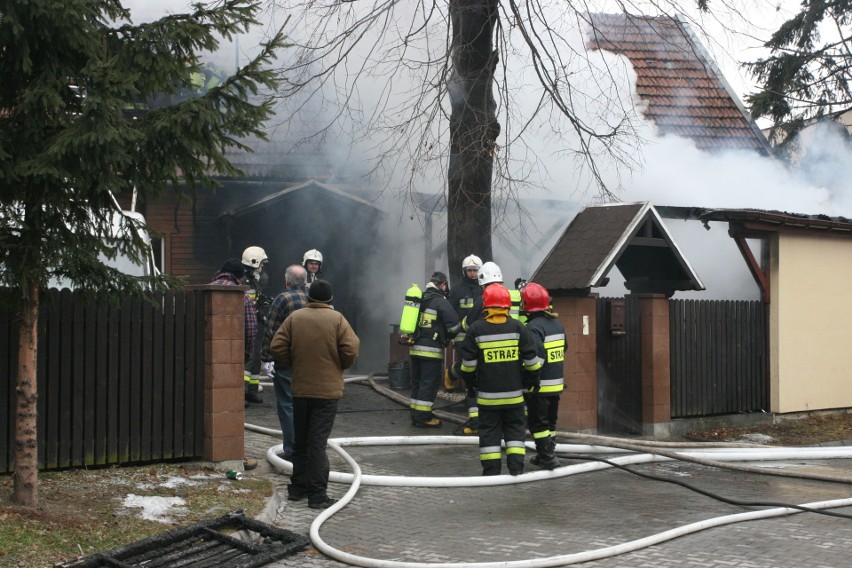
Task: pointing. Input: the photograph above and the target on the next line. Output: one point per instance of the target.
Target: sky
(668, 170)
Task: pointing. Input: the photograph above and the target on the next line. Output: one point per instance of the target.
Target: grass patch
(86, 511)
(807, 431)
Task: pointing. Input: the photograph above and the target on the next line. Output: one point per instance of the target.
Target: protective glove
(267, 368)
(530, 382)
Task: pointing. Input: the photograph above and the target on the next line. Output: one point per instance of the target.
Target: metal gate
(619, 366)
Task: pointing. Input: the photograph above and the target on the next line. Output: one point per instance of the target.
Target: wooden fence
(719, 357)
(116, 384)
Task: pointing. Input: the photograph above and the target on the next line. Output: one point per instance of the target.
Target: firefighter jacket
(499, 358)
(462, 298)
(549, 336)
(437, 324)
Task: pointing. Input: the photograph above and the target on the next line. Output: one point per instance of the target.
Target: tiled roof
(684, 92)
(629, 236)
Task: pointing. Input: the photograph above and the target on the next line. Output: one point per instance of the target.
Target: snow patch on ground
(757, 438)
(156, 508)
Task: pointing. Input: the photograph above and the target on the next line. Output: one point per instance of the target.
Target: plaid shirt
(228, 279)
(282, 306)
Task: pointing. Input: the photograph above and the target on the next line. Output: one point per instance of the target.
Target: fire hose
(720, 455)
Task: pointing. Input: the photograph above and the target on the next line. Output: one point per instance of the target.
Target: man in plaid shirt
(291, 299)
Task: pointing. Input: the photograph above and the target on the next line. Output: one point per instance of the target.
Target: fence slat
(718, 357)
(117, 384)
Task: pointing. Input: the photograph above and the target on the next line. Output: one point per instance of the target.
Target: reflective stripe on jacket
(494, 357)
(549, 336)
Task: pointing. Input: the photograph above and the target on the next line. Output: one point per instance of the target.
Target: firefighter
(489, 273)
(312, 261)
(436, 326)
(543, 405)
(462, 297)
(254, 260)
(499, 358)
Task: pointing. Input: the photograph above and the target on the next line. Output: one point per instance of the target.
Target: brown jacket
(317, 343)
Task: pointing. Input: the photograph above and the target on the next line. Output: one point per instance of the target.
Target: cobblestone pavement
(547, 518)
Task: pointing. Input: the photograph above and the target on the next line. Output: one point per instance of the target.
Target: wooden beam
(754, 267)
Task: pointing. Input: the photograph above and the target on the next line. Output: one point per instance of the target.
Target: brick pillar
(656, 369)
(224, 361)
(578, 405)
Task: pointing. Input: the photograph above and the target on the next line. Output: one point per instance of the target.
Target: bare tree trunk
(26, 425)
(473, 130)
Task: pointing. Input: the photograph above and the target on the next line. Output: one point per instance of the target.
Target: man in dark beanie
(318, 344)
(320, 291)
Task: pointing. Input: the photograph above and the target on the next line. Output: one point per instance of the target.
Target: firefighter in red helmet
(543, 404)
(499, 358)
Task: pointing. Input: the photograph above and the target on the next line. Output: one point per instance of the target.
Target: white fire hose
(651, 453)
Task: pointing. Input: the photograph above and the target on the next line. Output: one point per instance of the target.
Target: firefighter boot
(252, 389)
(545, 457)
(449, 382)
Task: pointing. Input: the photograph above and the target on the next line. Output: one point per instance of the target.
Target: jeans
(282, 380)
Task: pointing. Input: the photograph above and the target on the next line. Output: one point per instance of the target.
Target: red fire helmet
(496, 296)
(535, 297)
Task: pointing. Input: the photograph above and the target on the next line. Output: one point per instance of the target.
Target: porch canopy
(629, 236)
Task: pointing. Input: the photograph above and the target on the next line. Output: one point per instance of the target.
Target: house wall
(810, 312)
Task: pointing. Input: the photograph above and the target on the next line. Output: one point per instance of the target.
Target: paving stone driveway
(548, 518)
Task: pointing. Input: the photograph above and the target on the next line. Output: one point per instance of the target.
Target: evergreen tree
(78, 125)
(807, 74)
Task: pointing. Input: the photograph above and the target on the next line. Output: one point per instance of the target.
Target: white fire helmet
(255, 258)
(471, 262)
(312, 254)
(489, 273)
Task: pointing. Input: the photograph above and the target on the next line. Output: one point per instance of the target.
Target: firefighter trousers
(426, 377)
(498, 424)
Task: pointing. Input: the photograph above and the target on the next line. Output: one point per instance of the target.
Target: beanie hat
(234, 266)
(320, 291)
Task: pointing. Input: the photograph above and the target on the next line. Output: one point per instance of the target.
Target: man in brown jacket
(317, 343)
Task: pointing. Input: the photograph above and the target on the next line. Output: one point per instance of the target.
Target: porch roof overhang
(288, 191)
(757, 222)
(631, 237)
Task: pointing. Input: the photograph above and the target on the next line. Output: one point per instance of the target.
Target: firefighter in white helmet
(463, 296)
(489, 273)
(254, 260)
(312, 261)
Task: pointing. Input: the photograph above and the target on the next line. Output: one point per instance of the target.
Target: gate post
(578, 405)
(224, 361)
(656, 365)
